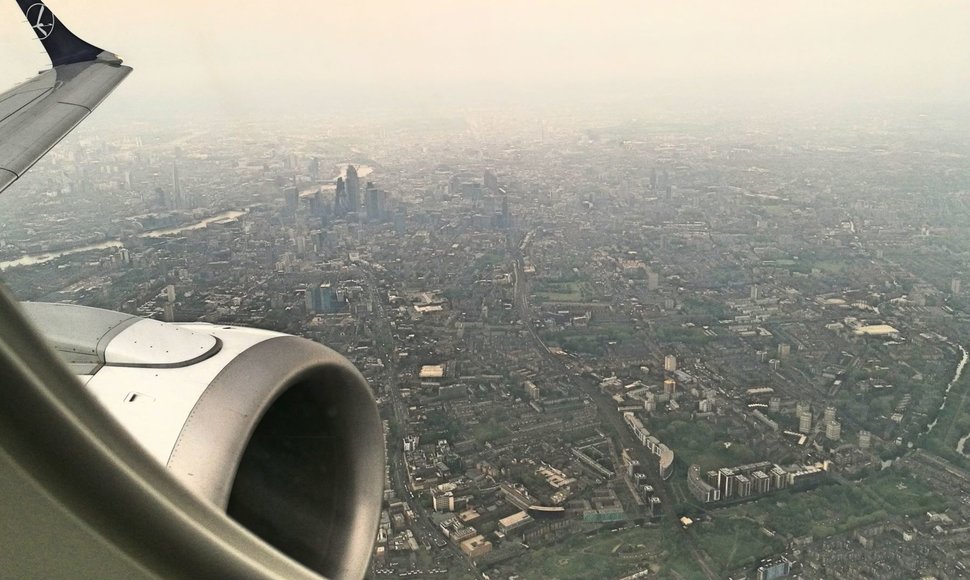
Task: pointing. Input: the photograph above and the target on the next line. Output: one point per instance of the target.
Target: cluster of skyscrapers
(175, 198)
(347, 198)
(324, 299)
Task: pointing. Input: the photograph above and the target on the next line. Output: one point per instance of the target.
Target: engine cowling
(281, 432)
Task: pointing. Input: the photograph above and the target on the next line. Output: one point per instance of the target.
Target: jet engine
(280, 432)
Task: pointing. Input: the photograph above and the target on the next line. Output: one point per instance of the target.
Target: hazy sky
(235, 54)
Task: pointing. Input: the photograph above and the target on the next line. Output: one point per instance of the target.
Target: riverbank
(948, 432)
(40, 258)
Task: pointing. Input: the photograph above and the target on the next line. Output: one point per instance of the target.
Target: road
(423, 527)
(607, 411)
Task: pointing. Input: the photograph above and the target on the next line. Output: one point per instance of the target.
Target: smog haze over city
(643, 289)
(296, 56)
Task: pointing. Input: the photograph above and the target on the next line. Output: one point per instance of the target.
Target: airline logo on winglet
(41, 20)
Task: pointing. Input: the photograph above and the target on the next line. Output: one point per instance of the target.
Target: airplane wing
(37, 114)
(184, 451)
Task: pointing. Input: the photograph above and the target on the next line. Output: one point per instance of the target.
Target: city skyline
(709, 341)
(496, 291)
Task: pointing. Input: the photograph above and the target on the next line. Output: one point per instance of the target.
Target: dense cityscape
(603, 346)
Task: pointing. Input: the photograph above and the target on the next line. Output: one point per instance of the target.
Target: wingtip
(62, 46)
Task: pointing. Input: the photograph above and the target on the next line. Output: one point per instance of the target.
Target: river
(961, 443)
(228, 215)
(362, 170)
(40, 258)
(946, 394)
(33, 259)
(963, 440)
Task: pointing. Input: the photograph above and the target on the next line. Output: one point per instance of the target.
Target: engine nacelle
(281, 432)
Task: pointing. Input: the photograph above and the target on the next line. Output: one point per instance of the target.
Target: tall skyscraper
(340, 197)
(829, 414)
(313, 299)
(670, 386)
(472, 191)
(743, 485)
(400, 221)
(353, 189)
(670, 363)
(162, 198)
(322, 299)
(774, 569)
(178, 200)
(376, 202)
(833, 431)
(490, 181)
(774, 404)
(318, 207)
(506, 213)
(292, 197)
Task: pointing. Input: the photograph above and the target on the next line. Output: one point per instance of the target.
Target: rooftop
(432, 371)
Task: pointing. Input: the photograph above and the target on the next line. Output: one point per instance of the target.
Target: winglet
(61, 44)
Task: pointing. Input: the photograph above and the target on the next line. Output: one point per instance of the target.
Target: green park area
(611, 554)
(559, 292)
(706, 444)
(735, 541)
(668, 333)
(488, 430)
(591, 340)
(737, 536)
(831, 262)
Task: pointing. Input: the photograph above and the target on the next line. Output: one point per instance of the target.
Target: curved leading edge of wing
(37, 114)
(78, 497)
